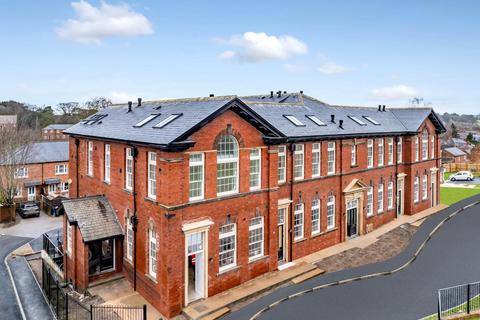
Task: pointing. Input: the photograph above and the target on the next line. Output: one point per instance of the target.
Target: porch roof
(94, 216)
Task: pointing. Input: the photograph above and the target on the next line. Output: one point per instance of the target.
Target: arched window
(227, 165)
(424, 144)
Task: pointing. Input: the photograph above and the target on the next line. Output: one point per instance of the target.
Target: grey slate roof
(94, 216)
(58, 126)
(119, 124)
(454, 151)
(42, 152)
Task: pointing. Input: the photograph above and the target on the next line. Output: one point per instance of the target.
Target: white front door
(196, 266)
(31, 191)
(400, 197)
(434, 189)
(282, 234)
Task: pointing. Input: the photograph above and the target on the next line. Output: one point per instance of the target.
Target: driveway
(32, 227)
(8, 303)
(450, 258)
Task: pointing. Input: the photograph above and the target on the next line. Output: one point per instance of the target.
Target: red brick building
(212, 192)
(55, 131)
(45, 172)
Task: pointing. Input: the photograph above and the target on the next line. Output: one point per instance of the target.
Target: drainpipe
(134, 218)
(343, 225)
(77, 143)
(395, 179)
(290, 220)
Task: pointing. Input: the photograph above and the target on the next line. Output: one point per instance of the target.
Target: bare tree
(98, 103)
(15, 150)
(68, 108)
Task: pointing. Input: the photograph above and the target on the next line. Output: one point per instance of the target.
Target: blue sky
(353, 52)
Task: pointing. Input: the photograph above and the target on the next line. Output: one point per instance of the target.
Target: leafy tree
(68, 108)
(454, 130)
(98, 103)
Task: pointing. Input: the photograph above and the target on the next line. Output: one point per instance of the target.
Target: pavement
(451, 257)
(32, 227)
(8, 302)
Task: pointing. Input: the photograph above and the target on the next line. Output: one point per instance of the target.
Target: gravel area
(387, 246)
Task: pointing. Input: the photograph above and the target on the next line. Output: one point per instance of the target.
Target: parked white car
(462, 176)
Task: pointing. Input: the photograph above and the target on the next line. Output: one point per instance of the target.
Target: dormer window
(294, 120)
(167, 120)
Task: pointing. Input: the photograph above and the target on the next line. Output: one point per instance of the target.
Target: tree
(98, 103)
(15, 150)
(454, 130)
(68, 108)
(471, 139)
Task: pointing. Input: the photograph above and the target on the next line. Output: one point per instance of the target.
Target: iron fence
(462, 299)
(53, 247)
(118, 312)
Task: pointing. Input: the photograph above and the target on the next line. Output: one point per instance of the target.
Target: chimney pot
(271, 94)
(279, 93)
(284, 92)
(129, 106)
(379, 107)
(340, 124)
(383, 108)
(139, 102)
(212, 95)
(332, 118)
(301, 91)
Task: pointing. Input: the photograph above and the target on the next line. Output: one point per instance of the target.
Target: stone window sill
(253, 260)
(299, 240)
(231, 269)
(149, 277)
(151, 200)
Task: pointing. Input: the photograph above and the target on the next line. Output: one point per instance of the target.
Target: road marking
(20, 306)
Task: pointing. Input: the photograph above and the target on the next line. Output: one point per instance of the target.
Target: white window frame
(416, 196)
(152, 175)
(316, 160)
(390, 151)
(193, 164)
(107, 162)
(152, 253)
(417, 149)
(52, 188)
(298, 162)
(424, 144)
(315, 210)
(380, 198)
(224, 233)
(433, 147)
(400, 150)
(61, 169)
(331, 158)
(20, 173)
(353, 153)
(381, 152)
(252, 228)
(330, 212)
(90, 158)
(65, 186)
(228, 160)
(129, 169)
(370, 153)
(424, 187)
(282, 164)
(255, 162)
(370, 201)
(390, 195)
(69, 239)
(298, 221)
(18, 192)
(129, 238)
(294, 120)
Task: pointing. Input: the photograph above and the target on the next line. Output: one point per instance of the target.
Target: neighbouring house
(44, 173)
(8, 120)
(55, 132)
(211, 192)
(453, 155)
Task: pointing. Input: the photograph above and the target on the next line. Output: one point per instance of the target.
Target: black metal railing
(457, 300)
(53, 248)
(117, 312)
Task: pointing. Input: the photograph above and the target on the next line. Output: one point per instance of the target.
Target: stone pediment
(355, 185)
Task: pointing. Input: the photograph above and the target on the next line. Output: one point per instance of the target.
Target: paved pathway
(8, 303)
(32, 227)
(451, 257)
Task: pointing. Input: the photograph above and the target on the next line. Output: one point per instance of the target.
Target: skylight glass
(316, 120)
(146, 120)
(294, 120)
(357, 120)
(167, 120)
(94, 119)
(375, 122)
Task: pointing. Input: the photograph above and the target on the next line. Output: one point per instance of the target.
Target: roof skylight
(294, 120)
(375, 122)
(94, 119)
(167, 120)
(146, 120)
(316, 120)
(357, 120)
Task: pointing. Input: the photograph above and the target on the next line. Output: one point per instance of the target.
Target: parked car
(28, 209)
(462, 176)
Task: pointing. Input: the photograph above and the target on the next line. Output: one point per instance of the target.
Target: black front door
(281, 255)
(352, 222)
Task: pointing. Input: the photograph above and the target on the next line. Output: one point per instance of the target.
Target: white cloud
(258, 47)
(93, 24)
(333, 68)
(121, 97)
(396, 92)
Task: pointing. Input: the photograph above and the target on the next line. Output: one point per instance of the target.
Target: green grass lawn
(461, 309)
(450, 196)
